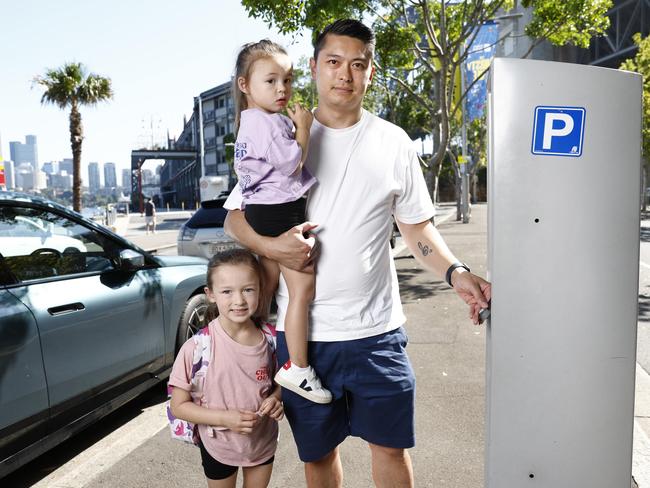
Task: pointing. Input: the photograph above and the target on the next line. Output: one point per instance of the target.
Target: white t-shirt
(365, 173)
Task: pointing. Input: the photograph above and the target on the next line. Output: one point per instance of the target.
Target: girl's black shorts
(272, 220)
(215, 470)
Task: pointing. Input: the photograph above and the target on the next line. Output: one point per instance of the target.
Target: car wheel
(191, 318)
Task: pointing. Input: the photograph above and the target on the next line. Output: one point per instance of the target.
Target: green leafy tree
(72, 87)
(566, 22)
(420, 46)
(641, 64)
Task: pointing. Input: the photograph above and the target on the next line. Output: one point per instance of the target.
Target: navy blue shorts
(373, 386)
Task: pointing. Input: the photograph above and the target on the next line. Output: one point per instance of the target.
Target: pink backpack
(182, 429)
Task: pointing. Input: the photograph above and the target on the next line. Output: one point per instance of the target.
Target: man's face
(342, 71)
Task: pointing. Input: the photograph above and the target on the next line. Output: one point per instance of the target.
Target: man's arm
(291, 249)
(430, 249)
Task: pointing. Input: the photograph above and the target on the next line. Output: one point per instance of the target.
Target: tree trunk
(76, 138)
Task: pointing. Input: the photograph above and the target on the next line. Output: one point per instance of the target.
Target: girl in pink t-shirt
(269, 159)
(239, 412)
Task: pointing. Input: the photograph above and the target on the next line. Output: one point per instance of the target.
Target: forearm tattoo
(424, 249)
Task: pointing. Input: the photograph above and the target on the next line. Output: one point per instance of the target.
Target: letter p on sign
(558, 131)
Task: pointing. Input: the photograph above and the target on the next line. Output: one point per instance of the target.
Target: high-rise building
(51, 167)
(29, 179)
(110, 176)
(61, 181)
(126, 180)
(10, 177)
(25, 153)
(66, 165)
(93, 176)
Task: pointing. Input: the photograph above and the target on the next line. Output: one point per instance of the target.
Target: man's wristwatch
(451, 269)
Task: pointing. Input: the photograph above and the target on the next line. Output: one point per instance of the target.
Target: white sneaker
(306, 384)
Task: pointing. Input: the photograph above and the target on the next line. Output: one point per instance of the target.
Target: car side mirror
(130, 259)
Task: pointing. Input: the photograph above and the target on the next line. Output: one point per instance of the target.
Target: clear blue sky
(159, 54)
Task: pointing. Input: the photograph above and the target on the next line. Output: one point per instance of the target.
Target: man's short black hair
(346, 27)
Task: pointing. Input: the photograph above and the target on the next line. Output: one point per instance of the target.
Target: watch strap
(451, 269)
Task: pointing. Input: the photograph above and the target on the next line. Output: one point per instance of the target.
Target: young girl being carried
(269, 160)
(239, 413)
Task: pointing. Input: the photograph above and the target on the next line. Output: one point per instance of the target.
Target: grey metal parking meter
(563, 258)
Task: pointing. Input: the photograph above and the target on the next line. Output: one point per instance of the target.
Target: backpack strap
(202, 350)
(270, 335)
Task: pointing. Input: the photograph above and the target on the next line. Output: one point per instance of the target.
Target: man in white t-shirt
(367, 171)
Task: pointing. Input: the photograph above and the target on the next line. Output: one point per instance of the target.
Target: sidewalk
(448, 356)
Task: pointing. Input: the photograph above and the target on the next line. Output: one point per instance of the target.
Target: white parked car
(202, 235)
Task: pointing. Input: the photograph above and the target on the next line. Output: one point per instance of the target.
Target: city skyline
(164, 56)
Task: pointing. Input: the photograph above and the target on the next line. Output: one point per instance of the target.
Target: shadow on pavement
(412, 284)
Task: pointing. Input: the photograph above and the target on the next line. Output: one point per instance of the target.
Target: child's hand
(272, 407)
(301, 117)
(240, 421)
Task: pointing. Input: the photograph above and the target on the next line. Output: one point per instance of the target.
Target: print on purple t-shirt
(266, 158)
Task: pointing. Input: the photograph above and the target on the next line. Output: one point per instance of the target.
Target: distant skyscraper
(25, 153)
(110, 177)
(126, 179)
(10, 177)
(93, 176)
(51, 167)
(66, 165)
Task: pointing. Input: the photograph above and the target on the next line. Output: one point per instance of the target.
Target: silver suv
(202, 235)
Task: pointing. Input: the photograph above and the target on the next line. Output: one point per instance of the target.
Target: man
(366, 171)
(149, 215)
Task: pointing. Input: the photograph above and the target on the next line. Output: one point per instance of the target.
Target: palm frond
(70, 85)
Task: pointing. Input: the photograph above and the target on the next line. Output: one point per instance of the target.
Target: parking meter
(563, 257)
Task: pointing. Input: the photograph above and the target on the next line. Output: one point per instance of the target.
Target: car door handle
(67, 308)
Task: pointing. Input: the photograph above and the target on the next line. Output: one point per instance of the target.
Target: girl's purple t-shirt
(266, 158)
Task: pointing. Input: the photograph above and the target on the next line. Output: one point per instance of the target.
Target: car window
(208, 215)
(37, 244)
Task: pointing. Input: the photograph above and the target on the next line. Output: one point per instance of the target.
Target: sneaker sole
(299, 391)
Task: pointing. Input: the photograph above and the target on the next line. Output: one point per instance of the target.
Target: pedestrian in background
(149, 215)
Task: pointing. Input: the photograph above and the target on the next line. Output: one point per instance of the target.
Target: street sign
(558, 131)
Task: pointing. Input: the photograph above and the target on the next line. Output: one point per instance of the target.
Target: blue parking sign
(558, 131)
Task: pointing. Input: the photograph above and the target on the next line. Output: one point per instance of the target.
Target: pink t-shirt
(238, 377)
(266, 158)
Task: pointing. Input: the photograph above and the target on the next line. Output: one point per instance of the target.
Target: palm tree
(70, 86)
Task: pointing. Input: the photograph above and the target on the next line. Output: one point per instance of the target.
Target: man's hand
(240, 421)
(293, 250)
(474, 290)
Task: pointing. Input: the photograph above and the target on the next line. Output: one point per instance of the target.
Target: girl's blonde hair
(248, 54)
(234, 257)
